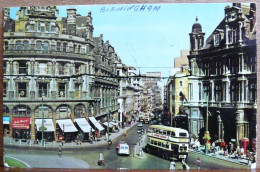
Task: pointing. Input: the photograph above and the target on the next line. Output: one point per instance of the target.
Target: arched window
(46, 45)
(74, 48)
(18, 45)
(26, 45)
(22, 111)
(64, 47)
(58, 46)
(79, 49)
(79, 111)
(6, 45)
(39, 45)
(63, 112)
(45, 110)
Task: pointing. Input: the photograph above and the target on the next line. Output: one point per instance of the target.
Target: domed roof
(196, 27)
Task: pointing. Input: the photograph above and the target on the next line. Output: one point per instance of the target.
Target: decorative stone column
(11, 120)
(220, 129)
(33, 125)
(72, 114)
(54, 124)
(242, 125)
(71, 89)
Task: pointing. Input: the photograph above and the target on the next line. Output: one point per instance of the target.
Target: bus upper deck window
(163, 145)
(164, 132)
(157, 131)
(168, 133)
(183, 134)
(173, 134)
(161, 132)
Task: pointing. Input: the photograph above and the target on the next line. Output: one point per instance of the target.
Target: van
(123, 149)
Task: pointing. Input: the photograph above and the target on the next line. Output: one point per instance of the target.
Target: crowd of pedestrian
(231, 150)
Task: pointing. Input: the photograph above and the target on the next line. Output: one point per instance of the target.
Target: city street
(87, 158)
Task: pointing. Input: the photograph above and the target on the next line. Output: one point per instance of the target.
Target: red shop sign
(21, 123)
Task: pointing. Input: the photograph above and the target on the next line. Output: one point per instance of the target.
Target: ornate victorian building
(223, 72)
(56, 60)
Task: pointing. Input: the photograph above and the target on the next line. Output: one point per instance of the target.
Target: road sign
(198, 161)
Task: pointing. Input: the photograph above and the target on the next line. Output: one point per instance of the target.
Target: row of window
(41, 26)
(45, 46)
(62, 112)
(44, 68)
(229, 65)
(158, 143)
(44, 87)
(238, 91)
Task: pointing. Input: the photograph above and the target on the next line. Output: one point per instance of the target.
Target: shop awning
(66, 125)
(21, 123)
(83, 124)
(48, 124)
(94, 122)
(6, 120)
(110, 125)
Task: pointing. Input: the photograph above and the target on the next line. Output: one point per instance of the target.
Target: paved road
(87, 158)
(51, 161)
(212, 163)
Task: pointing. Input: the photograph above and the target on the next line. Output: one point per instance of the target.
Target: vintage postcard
(130, 86)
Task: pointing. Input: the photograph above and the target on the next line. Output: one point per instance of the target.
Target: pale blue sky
(150, 38)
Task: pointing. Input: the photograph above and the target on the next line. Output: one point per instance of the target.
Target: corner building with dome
(223, 77)
(54, 69)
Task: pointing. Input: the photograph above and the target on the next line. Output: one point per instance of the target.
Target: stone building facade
(57, 60)
(223, 73)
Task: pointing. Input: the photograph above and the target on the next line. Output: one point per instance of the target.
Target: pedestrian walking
(94, 137)
(101, 159)
(172, 165)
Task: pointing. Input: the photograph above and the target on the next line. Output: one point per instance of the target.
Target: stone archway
(22, 111)
(45, 109)
(63, 112)
(80, 111)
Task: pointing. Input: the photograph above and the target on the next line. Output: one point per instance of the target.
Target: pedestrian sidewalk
(220, 155)
(10, 142)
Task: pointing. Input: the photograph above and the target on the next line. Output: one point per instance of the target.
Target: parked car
(123, 149)
(118, 144)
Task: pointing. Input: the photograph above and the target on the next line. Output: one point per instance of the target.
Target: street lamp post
(108, 140)
(207, 136)
(42, 119)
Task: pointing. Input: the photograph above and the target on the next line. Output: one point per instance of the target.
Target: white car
(123, 149)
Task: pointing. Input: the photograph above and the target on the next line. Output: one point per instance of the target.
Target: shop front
(21, 127)
(66, 130)
(85, 129)
(99, 129)
(48, 129)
